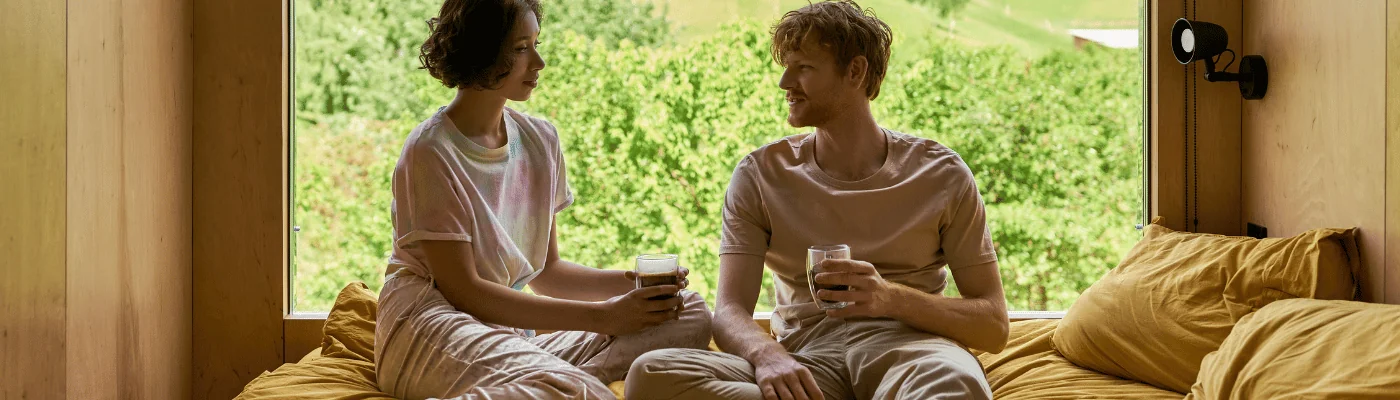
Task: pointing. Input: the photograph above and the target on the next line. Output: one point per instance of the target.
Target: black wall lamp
(1197, 40)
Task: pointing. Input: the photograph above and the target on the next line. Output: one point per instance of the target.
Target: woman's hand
(636, 310)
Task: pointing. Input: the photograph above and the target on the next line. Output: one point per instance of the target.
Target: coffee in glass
(657, 270)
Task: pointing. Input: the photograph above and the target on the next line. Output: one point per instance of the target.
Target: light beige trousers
(849, 359)
(425, 348)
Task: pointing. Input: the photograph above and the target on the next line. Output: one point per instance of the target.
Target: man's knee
(583, 385)
(944, 375)
(654, 370)
(962, 371)
(655, 363)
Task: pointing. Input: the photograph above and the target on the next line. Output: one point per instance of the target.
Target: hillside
(1032, 27)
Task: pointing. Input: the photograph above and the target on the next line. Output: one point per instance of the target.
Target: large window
(1042, 98)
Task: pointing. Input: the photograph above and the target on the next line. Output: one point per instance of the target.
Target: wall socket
(1256, 231)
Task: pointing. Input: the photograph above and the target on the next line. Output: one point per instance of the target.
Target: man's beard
(813, 114)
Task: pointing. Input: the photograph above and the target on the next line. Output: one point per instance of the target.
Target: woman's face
(521, 44)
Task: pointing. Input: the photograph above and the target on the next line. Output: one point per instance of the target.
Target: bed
(1183, 316)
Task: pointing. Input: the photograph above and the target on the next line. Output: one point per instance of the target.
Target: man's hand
(780, 377)
(685, 282)
(869, 295)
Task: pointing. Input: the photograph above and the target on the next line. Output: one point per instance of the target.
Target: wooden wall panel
(1165, 132)
(100, 307)
(1216, 148)
(158, 90)
(303, 333)
(1214, 183)
(1314, 147)
(31, 205)
(1392, 146)
(129, 86)
(240, 192)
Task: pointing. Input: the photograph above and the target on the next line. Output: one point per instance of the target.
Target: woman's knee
(694, 323)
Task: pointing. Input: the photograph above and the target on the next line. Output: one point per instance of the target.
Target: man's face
(817, 87)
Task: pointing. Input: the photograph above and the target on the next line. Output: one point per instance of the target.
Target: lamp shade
(1197, 40)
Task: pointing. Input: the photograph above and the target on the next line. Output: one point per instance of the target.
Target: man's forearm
(976, 323)
(736, 332)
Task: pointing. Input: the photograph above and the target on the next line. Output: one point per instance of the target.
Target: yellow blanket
(1030, 369)
(1307, 349)
(1027, 369)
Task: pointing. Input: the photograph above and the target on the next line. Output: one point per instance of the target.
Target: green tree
(611, 21)
(361, 57)
(651, 134)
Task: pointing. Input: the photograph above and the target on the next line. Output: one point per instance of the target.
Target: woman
(475, 193)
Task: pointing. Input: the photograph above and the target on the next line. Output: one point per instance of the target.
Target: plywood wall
(95, 218)
(1314, 149)
(1195, 179)
(240, 192)
(128, 201)
(1392, 145)
(31, 203)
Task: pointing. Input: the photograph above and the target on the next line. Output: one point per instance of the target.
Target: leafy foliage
(343, 169)
(651, 133)
(611, 21)
(361, 57)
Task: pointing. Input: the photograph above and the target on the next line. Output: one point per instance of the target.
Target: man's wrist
(767, 353)
(752, 345)
(900, 299)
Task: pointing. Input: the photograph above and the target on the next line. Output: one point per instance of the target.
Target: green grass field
(1032, 27)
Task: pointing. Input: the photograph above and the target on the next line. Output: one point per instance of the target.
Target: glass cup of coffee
(816, 255)
(657, 270)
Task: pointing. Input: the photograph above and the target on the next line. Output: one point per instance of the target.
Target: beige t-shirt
(503, 200)
(919, 212)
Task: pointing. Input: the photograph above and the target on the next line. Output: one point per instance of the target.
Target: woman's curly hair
(466, 48)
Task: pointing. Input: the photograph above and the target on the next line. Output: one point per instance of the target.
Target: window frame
(301, 329)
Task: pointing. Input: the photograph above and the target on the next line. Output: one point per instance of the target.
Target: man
(906, 207)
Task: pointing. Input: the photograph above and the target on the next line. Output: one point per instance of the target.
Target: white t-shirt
(502, 201)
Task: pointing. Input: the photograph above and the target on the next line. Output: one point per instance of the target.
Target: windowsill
(321, 316)
(1028, 315)
(299, 315)
(761, 315)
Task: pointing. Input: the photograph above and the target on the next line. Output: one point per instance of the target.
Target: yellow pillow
(317, 378)
(1311, 349)
(1176, 296)
(343, 368)
(349, 330)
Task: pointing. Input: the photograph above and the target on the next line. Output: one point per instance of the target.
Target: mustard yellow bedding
(1176, 296)
(1307, 349)
(1030, 369)
(317, 377)
(342, 368)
